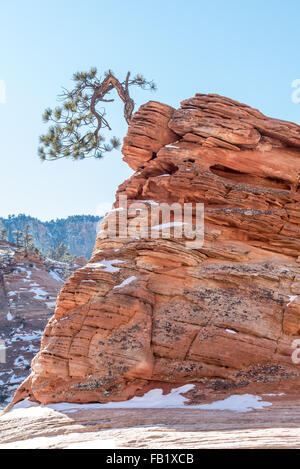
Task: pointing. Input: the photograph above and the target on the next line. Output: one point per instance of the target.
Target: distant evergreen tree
(67, 271)
(27, 238)
(4, 234)
(28, 242)
(61, 254)
(78, 121)
(33, 248)
(18, 237)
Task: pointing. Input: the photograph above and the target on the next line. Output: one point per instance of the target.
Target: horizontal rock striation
(147, 310)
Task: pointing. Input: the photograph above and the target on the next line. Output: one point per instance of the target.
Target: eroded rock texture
(144, 311)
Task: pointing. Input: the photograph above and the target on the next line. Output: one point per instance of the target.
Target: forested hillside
(77, 232)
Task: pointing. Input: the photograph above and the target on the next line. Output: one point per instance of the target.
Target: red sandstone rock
(147, 133)
(224, 314)
(80, 261)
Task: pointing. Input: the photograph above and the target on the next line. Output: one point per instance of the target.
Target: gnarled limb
(105, 87)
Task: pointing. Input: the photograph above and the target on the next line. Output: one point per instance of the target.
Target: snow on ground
(14, 379)
(108, 266)
(231, 331)
(237, 403)
(55, 276)
(21, 362)
(39, 293)
(126, 282)
(51, 304)
(292, 298)
(25, 279)
(26, 271)
(19, 336)
(155, 399)
(29, 348)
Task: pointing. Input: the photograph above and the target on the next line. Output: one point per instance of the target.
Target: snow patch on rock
(107, 266)
(126, 282)
(155, 399)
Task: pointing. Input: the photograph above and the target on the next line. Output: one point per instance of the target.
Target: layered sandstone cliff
(144, 310)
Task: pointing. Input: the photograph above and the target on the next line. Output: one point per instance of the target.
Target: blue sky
(245, 49)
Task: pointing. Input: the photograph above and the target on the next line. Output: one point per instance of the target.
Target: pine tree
(27, 239)
(3, 234)
(78, 121)
(61, 254)
(28, 242)
(18, 237)
(52, 254)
